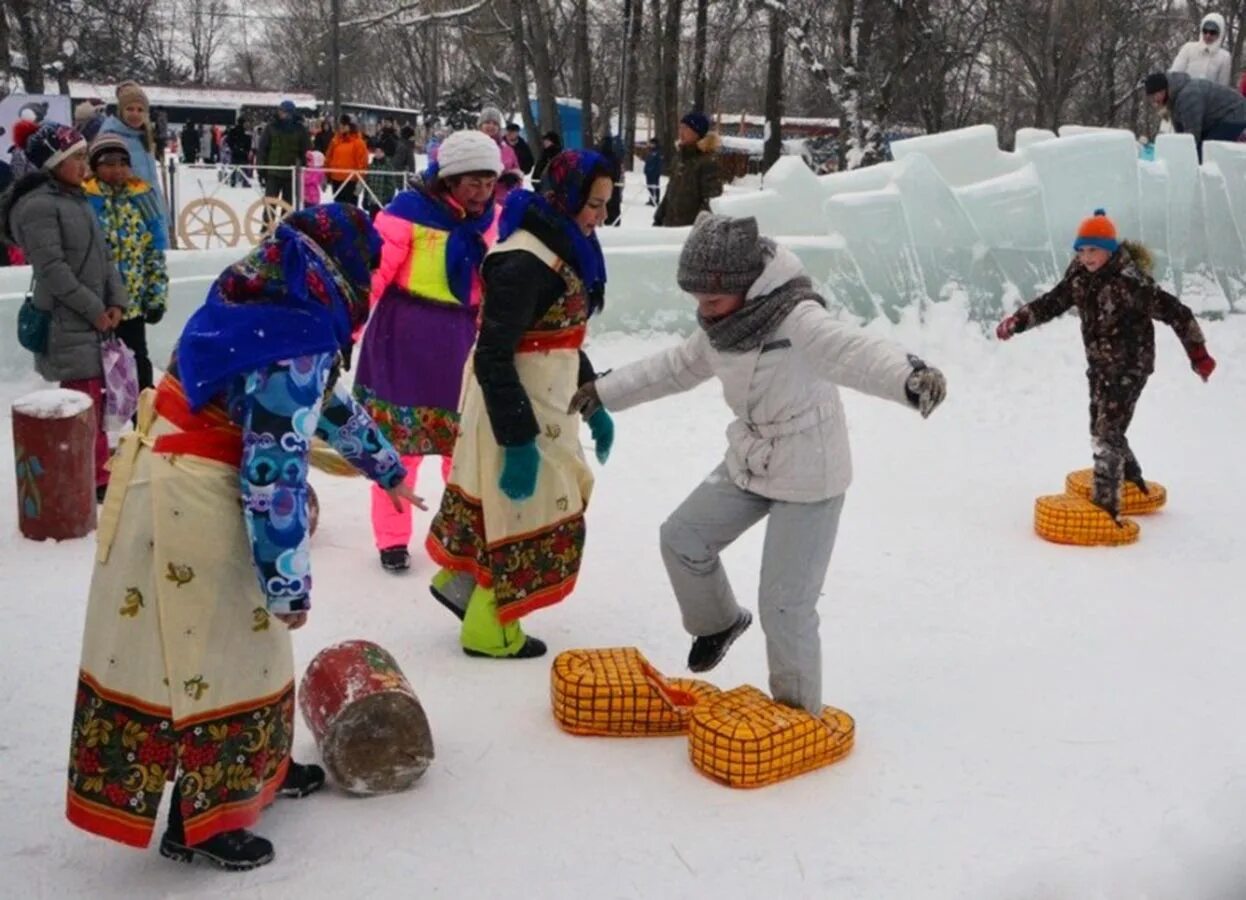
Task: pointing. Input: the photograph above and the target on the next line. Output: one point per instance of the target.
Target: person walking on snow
(695, 176)
(1206, 58)
(126, 208)
(283, 145)
(510, 531)
(767, 336)
(1110, 284)
(427, 293)
(653, 172)
(1208, 111)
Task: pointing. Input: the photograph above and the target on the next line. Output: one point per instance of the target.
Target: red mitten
(1202, 362)
(1007, 328)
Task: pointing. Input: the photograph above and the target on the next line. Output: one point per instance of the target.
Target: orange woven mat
(1133, 501)
(744, 739)
(1064, 519)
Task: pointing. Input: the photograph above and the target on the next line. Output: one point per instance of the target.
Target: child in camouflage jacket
(1110, 284)
(128, 210)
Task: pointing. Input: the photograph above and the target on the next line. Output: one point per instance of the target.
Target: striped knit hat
(52, 144)
(1097, 231)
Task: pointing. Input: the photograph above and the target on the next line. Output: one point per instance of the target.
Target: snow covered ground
(1033, 721)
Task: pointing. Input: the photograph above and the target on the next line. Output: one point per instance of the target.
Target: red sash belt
(563, 339)
(208, 434)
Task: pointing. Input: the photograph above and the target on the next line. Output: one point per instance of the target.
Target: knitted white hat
(468, 151)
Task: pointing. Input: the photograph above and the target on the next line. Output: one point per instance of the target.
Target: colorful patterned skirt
(410, 371)
(184, 676)
(527, 551)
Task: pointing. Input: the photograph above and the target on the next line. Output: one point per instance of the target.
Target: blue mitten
(602, 427)
(518, 479)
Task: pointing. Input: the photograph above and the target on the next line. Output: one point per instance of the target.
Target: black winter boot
(1133, 474)
(708, 651)
(302, 780)
(395, 559)
(233, 851)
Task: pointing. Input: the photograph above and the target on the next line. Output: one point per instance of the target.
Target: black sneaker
(233, 851)
(302, 780)
(395, 559)
(100, 493)
(708, 651)
(531, 649)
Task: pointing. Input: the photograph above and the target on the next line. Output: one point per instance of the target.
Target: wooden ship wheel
(208, 224)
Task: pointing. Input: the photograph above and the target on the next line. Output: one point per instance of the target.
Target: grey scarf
(750, 325)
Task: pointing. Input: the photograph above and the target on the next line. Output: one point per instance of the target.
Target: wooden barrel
(366, 720)
(54, 444)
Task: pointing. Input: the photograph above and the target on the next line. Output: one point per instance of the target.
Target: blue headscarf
(564, 191)
(302, 291)
(465, 249)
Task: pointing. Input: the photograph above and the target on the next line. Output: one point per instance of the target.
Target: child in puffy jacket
(313, 177)
(128, 211)
(1110, 284)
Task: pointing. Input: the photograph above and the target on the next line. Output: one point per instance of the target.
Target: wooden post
(54, 447)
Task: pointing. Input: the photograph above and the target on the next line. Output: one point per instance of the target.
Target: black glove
(154, 315)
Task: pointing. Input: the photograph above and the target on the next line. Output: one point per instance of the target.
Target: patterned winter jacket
(1116, 305)
(280, 409)
(137, 239)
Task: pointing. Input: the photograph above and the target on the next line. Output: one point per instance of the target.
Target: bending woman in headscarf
(510, 531)
(203, 564)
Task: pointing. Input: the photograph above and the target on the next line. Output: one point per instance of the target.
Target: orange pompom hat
(1097, 231)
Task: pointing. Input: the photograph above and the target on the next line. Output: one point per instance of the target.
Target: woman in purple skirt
(427, 291)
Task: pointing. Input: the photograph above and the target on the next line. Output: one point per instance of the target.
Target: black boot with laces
(234, 851)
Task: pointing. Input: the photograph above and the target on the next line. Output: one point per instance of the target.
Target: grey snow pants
(795, 557)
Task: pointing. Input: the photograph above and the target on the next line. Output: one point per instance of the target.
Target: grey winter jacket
(75, 278)
(1199, 105)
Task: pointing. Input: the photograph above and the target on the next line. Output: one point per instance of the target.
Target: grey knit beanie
(721, 256)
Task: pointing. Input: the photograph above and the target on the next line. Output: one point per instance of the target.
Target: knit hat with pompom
(1097, 231)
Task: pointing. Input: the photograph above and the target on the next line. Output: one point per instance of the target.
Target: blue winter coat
(142, 163)
(653, 167)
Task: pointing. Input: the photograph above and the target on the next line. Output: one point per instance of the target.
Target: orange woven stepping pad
(1133, 501)
(616, 692)
(744, 739)
(1065, 519)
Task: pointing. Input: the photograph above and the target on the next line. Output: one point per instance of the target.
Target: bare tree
(204, 27)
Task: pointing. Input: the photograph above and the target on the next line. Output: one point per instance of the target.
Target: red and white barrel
(367, 721)
(54, 447)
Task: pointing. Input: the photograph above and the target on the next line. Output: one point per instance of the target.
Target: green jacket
(284, 144)
(695, 180)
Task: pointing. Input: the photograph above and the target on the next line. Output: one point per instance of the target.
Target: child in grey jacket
(767, 336)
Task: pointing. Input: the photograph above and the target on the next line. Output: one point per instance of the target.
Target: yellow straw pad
(616, 692)
(744, 739)
(1133, 501)
(1073, 520)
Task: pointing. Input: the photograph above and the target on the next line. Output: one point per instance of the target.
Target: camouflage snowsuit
(1116, 305)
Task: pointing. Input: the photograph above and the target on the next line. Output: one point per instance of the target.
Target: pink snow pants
(391, 528)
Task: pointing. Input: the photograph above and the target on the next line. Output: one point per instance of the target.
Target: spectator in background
(695, 177)
(387, 137)
(23, 128)
(313, 178)
(133, 122)
(88, 117)
(614, 208)
(283, 145)
(324, 135)
(190, 143)
(492, 123)
(403, 157)
(1196, 106)
(653, 172)
(346, 161)
(239, 141)
(551, 146)
(382, 183)
(1206, 58)
(523, 152)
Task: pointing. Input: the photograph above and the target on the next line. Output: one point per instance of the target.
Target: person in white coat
(766, 334)
(1206, 57)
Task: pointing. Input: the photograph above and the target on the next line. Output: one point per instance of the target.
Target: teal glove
(518, 479)
(602, 427)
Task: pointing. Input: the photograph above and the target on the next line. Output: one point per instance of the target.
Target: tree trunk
(699, 76)
(634, 22)
(543, 68)
(662, 116)
(774, 89)
(584, 63)
(32, 45)
(520, 76)
(670, 74)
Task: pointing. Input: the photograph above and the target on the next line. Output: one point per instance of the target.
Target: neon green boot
(484, 635)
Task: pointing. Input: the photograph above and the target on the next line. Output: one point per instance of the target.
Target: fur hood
(708, 144)
(1212, 19)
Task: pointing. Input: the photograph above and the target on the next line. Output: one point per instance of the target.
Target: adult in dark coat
(284, 144)
(190, 143)
(403, 157)
(614, 209)
(695, 176)
(1209, 111)
(551, 146)
(653, 172)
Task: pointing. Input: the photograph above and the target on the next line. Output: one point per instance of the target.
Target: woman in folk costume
(202, 566)
(510, 531)
(428, 291)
